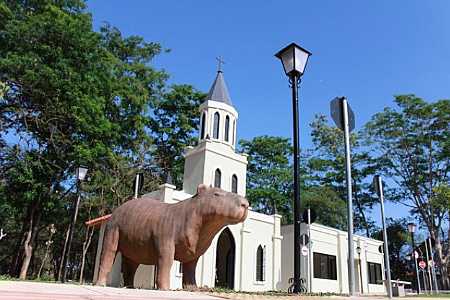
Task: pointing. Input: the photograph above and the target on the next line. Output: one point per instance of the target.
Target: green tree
(74, 96)
(270, 182)
(269, 175)
(398, 237)
(412, 146)
(175, 120)
(327, 168)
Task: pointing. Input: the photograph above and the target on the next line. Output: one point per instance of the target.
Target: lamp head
(81, 173)
(411, 227)
(294, 59)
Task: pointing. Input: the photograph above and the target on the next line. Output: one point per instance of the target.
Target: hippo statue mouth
(244, 215)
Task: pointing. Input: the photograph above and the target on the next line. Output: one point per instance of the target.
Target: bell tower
(214, 160)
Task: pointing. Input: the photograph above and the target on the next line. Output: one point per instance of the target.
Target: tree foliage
(71, 96)
(411, 144)
(327, 168)
(270, 181)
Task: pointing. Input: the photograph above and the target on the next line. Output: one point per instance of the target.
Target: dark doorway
(225, 258)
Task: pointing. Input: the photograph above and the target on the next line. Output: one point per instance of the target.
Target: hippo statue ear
(201, 188)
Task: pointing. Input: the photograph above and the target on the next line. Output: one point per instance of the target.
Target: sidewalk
(20, 290)
(26, 290)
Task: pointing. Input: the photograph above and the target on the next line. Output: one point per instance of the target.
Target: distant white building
(328, 269)
(243, 257)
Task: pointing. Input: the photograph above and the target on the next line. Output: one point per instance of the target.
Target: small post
(379, 187)
(136, 186)
(428, 266)
(415, 262)
(310, 252)
(433, 271)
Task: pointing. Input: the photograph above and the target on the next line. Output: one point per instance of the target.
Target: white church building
(255, 255)
(245, 256)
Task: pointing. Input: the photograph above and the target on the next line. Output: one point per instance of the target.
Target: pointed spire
(219, 91)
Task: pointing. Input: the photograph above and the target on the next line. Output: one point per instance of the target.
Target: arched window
(202, 131)
(216, 125)
(234, 183)
(227, 129)
(217, 178)
(233, 133)
(260, 263)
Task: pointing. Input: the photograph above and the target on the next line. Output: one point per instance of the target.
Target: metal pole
(71, 229)
(297, 273)
(360, 273)
(415, 262)
(433, 271)
(351, 255)
(428, 266)
(385, 240)
(310, 251)
(136, 186)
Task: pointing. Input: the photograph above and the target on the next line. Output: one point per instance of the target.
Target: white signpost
(344, 118)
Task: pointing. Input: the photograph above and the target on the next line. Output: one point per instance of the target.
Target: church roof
(219, 91)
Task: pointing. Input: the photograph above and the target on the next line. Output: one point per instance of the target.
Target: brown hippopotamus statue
(147, 231)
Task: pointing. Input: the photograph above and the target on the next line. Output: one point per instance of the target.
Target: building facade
(327, 249)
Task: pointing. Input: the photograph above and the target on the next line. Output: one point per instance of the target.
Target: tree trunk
(63, 253)
(47, 249)
(441, 261)
(86, 244)
(18, 255)
(30, 237)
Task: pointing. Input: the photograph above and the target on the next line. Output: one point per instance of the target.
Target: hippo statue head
(230, 208)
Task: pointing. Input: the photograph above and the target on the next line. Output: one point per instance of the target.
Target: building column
(244, 233)
(167, 192)
(342, 253)
(98, 255)
(276, 251)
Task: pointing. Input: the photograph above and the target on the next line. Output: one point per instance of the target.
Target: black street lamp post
(81, 175)
(294, 59)
(412, 229)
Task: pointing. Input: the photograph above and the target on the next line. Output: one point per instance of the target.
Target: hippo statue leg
(189, 274)
(109, 249)
(166, 251)
(129, 268)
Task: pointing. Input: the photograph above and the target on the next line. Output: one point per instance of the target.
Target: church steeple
(214, 160)
(217, 114)
(219, 91)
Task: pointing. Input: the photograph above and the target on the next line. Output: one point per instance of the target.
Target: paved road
(20, 290)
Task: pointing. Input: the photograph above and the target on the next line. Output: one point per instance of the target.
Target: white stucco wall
(202, 161)
(331, 241)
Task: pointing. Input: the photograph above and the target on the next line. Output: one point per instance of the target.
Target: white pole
(136, 186)
(428, 266)
(385, 240)
(309, 252)
(433, 271)
(348, 168)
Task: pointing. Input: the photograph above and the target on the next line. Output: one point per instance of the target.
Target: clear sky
(365, 50)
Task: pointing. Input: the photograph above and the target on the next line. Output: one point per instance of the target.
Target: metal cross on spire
(220, 62)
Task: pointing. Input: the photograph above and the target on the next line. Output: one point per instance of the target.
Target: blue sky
(365, 50)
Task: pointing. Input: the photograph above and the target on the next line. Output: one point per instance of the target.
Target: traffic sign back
(336, 108)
